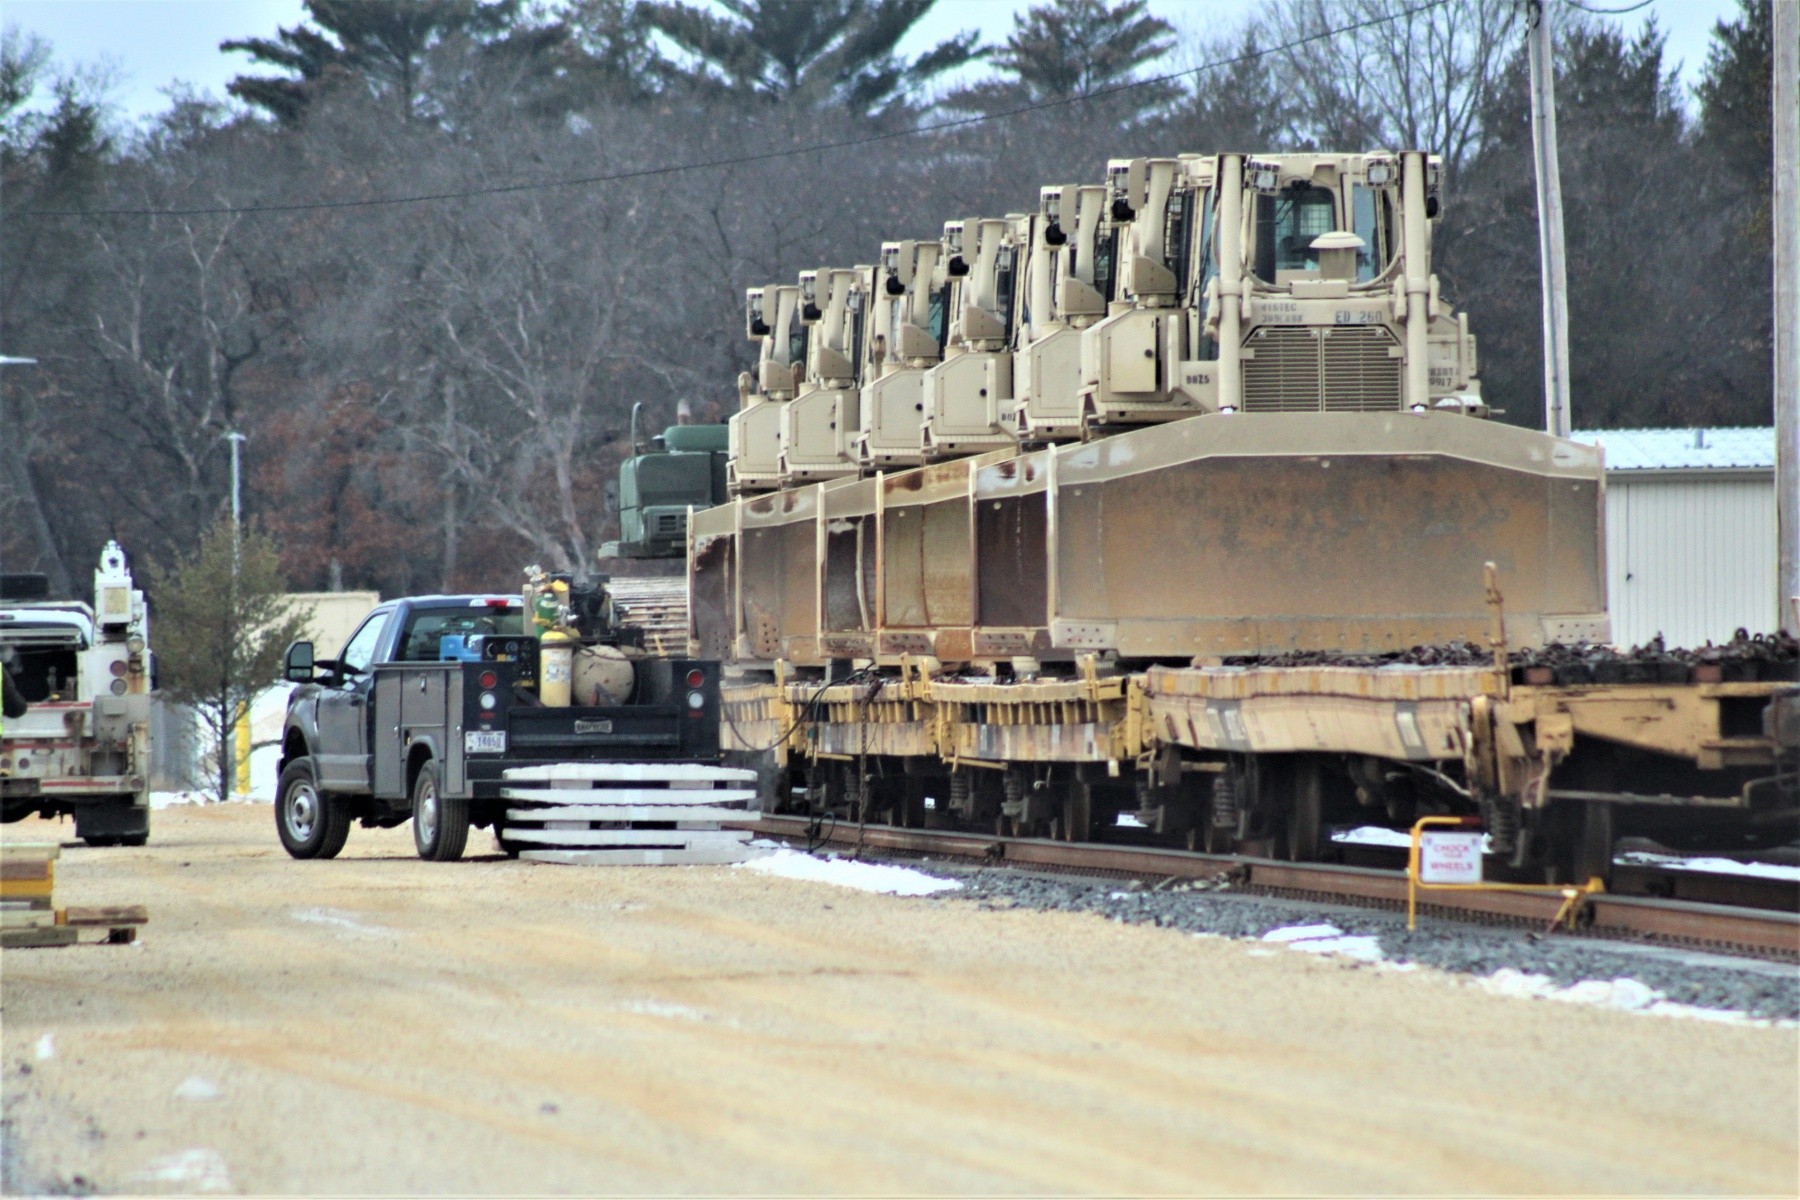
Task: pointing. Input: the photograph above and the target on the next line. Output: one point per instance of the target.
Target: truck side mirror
(297, 667)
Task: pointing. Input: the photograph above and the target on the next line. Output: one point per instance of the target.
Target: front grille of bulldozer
(1309, 368)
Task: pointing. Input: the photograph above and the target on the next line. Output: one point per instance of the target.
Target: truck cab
(433, 697)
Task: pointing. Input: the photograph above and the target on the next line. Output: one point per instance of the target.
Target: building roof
(1683, 449)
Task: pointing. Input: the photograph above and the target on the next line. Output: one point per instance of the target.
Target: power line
(735, 160)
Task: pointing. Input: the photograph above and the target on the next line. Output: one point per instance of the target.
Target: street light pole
(240, 749)
(1550, 218)
(237, 495)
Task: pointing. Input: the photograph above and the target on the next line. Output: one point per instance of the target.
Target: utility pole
(7, 360)
(1550, 218)
(240, 725)
(1787, 309)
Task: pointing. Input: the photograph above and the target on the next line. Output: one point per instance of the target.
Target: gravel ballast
(1763, 990)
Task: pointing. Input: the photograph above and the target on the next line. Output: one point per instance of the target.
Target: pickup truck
(431, 699)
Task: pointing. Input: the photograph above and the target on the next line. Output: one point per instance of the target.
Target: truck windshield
(421, 640)
(47, 674)
(45, 653)
(1286, 225)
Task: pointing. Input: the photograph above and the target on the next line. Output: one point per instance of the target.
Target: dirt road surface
(379, 1024)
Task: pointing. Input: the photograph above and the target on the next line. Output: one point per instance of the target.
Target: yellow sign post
(241, 737)
(1451, 862)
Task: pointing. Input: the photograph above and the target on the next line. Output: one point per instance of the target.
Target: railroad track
(1760, 932)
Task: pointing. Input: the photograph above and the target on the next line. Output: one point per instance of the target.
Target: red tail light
(696, 677)
(489, 679)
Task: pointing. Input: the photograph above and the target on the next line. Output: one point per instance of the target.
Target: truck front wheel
(312, 823)
(440, 823)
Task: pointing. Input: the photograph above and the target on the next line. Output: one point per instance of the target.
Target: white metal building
(1690, 532)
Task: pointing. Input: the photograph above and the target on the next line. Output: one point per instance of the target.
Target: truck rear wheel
(440, 823)
(312, 823)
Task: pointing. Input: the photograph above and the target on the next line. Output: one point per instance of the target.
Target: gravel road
(378, 1024)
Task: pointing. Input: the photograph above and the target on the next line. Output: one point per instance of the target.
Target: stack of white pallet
(628, 814)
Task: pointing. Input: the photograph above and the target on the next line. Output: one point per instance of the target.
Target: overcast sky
(150, 44)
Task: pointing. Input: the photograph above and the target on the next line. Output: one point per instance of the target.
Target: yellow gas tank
(556, 657)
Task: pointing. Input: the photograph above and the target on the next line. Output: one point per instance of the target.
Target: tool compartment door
(412, 706)
(389, 766)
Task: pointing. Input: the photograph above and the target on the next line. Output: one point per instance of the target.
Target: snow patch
(1362, 947)
(197, 1170)
(1302, 933)
(865, 877)
(171, 799)
(1626, 995)
(196, 1088)
(1712, 866)
(1327, 939)
(332, 917)
(1377, 835)
(659, 1008)
(1372, 835)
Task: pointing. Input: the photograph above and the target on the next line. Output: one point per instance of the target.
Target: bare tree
(1401, 76)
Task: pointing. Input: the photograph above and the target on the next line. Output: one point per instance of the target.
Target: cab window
(360, 650)
(1286, 225)
(426, 628)
(1372, 215)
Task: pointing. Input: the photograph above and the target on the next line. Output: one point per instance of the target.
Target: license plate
(484, 741)
(593, 726)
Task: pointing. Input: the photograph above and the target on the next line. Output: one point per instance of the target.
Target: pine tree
(383, 42)
(222, 631)
(816, 52)
(1736, 100)
(1070, 49)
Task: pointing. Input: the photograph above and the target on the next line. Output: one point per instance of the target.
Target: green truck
(682, 468)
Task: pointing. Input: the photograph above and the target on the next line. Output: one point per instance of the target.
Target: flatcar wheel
(1305, 816)
(1590, 852)
(1078, 813)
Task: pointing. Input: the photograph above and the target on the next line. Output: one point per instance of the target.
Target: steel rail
(1765, 933)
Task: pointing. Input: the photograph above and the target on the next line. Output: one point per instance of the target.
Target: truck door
(345, 712)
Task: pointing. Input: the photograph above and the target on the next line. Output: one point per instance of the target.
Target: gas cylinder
(556, 655)
(602, 676)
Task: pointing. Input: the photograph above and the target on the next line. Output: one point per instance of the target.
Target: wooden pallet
(42, 927)
(28, 872)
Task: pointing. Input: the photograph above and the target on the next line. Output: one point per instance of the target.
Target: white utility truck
(83, 747)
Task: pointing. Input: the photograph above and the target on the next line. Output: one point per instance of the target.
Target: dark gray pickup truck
(431, 699)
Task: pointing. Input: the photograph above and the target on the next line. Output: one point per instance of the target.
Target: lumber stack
(627, 814)
(28, 913)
